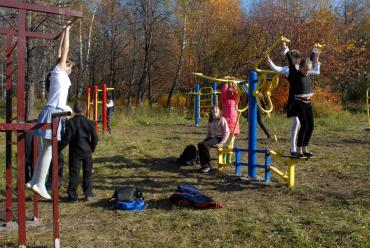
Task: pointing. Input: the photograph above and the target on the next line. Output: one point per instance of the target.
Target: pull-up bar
(22, 32)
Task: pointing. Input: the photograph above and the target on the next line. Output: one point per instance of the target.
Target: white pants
(294, 133)
(43, 163)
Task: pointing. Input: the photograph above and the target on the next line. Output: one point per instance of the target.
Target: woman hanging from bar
(59, 84)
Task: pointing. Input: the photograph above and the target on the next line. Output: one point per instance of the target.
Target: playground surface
(329, 207)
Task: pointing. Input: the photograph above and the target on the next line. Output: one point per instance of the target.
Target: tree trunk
(133, 74)
(179, 64)
(150, 93)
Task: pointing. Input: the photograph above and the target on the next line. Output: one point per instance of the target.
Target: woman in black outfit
(301, 88)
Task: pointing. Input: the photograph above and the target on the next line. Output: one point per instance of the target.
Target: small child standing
(82, 138)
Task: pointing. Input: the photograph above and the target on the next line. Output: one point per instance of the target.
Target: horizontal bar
(40, 8)
(26, 127)
(29, 34)
(61, 114)
(236, 149)
(257, 165)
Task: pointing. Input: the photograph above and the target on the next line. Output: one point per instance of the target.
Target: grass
(328, 208)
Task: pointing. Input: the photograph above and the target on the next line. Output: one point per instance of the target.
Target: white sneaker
(206, 170)
(43, 193)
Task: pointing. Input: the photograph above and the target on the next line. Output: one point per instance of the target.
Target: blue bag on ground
(188, 195)
(129, 198)
(135, 206)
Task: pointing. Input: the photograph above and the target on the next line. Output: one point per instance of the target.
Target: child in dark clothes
(81, 136)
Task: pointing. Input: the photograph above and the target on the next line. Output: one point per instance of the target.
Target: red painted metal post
(35, 196)
(88, 102)
(55, 182)
(104, 107)
(8, 144)
(96, 108)
(20, 118)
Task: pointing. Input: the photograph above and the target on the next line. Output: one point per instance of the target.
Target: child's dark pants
(74, 175)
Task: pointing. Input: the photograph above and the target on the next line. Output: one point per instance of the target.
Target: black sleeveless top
(299, 83)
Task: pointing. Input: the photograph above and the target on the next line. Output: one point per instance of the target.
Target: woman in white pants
(295, 125)
(57, 102)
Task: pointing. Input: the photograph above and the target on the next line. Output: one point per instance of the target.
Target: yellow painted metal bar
(291, 172)
(279, 172)
(220, 80)
(289, 177)
(271, 86)
(280, 40)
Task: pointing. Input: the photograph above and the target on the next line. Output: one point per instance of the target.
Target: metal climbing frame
(22, 32)
(104, 90)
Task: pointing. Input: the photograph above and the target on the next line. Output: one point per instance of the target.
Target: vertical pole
(8, 144)
(267, 167)
(54, 128)
(238, 160)
(35, 196)
(214, 94)
(197, 104)
(104, 107)
(88, 101)
(21, 49)
(96, 107)
(252, 125)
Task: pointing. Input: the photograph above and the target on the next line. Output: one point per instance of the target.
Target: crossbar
(40, 8)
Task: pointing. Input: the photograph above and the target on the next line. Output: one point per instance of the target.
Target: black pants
(203, 148)
(74, 176)
(259, 121)
(109, 118)
(305, 116)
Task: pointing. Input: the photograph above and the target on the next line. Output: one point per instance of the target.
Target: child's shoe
(308, 154)
(41, 192)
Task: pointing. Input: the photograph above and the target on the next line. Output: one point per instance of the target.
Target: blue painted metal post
(214, 96)
(267, 167)
(252, 125)
(197, 104)
(238, 160)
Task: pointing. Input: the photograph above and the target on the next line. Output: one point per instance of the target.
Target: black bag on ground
(188, 156)
(128, 194)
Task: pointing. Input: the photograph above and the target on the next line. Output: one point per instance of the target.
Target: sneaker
(308, 154)
(300, 155)
(294, 154)
(206, 169)
(90, 198)
(43, 193)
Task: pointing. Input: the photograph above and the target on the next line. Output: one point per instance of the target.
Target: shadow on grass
(157, 183)
(154, 164)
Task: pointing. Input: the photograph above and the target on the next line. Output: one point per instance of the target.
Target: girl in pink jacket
(229, 99)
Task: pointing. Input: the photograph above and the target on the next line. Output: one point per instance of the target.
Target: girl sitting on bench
(217, 135)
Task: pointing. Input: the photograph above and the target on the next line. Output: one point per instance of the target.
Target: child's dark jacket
(81, 136)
